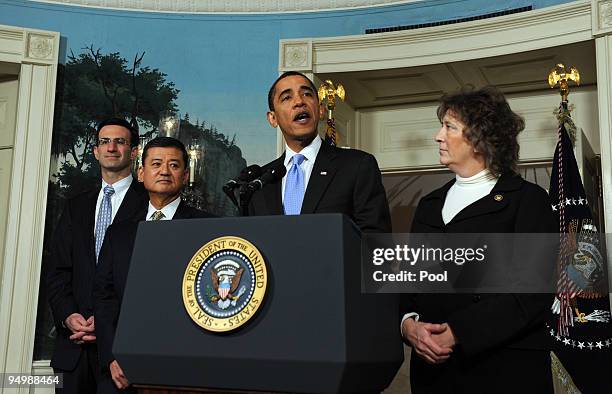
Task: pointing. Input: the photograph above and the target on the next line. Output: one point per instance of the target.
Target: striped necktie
(157, 215)
(105, 217)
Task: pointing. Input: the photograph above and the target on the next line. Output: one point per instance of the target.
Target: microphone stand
(246, 192)
(229, 191)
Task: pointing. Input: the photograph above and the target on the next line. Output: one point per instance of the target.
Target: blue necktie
(105, 217)
(294, 187)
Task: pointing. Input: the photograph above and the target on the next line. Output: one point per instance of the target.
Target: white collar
(483, 177)
(120, 185)
(168, 211)
(310, 152)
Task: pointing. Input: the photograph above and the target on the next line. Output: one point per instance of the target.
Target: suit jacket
(486, 323)
(73, 265)
(344, 181)
(111, 276)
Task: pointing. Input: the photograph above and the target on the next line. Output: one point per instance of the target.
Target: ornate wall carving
(39, 46)
(605, 14)
(296, 56)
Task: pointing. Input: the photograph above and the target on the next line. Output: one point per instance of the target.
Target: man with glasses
(74, 255)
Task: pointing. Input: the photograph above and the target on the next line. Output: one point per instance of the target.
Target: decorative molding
(344, 127)
(40, 47)
(19, 45)
(605, 14)
(410, 135)
(296, 55)
(503, 35)
(601, 17)
(400, 137)
(3, 112)
(9, 33)
(539, 139)
(225, 6)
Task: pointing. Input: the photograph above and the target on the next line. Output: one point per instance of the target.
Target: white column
(601, 24)
(603, 46)
(28, 198)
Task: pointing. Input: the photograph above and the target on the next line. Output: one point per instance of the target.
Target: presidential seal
(224, 284)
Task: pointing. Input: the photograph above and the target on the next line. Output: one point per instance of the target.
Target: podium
(315, 332)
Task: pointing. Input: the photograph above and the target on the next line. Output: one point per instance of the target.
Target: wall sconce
(169, 124)
(137, 162)
(194, 155)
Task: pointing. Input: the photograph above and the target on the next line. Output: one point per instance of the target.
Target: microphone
(271, 175)
(246, 175)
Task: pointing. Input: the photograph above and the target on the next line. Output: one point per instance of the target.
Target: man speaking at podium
(320, 178)
(164, 172)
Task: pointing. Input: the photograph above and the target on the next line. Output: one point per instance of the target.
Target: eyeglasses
(118, 141)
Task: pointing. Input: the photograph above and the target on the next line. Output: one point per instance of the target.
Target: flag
(580, 324)
(330, 132)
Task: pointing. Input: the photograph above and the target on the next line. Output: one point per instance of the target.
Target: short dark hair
(134, 137)
(165, 142)
(490, 125)
(283, 76)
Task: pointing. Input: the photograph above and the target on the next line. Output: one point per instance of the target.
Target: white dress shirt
(310, 154)
(121, 187)
(168, 211)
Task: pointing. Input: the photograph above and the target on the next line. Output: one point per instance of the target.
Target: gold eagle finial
(329, 91)
(561, 75)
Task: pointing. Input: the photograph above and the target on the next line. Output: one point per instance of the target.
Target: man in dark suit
(78, 238)
(320, 178)
(164, 172)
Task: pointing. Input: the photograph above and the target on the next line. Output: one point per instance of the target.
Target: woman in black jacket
(480, 343)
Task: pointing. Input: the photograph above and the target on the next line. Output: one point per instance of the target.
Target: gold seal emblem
(224, 284)
(498, 197)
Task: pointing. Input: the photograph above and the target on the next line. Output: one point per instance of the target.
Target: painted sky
(223, 64)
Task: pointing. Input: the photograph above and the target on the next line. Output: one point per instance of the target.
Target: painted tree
(95, 86)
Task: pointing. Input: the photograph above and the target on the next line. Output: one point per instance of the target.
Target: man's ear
(321, 111)
(134, 153)
(272, 119)
(96, 153)
(140, 174)
(186, 176)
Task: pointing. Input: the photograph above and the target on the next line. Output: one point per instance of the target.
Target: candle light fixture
(137, 162)
(193, 191)
(194, 152)
(169, 124)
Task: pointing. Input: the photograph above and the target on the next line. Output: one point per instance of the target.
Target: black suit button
(476, 298)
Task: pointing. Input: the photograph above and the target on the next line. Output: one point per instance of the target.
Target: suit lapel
(493, 202)
(184, 211)
(89, 220)
(486, 205)
(322, 174)
(272, 193)
(433, 210)
(132, 202)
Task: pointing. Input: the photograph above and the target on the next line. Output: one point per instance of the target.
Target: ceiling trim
(227, 6)
(531, 30)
